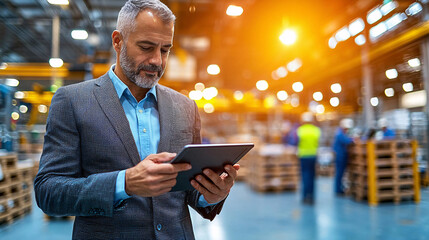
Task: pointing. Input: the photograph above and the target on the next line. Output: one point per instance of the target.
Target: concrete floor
(252, 215)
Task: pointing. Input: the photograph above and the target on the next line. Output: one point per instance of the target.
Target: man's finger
(161, 157)
(168, 168)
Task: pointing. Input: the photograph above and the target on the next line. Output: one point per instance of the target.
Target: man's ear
(117, 40)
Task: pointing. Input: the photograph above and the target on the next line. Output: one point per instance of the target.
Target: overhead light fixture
(374, 101)
(336, 88)
(334, 102)
(282, 95)
(209, 108)
(195, 95)
(415, 62)
(199, 86)
(294, 65)
(19, 95)
(395, 20)
(262, 85)
(388, 7)
(234, 11)
(360, 40)
(281, 72)
(317, 96)
(391, 73)
(11, 82)
(389, 92)
(238, 95)
(3, 66)
(332, 42)
(374, 15)
(210, 93)
(297, 86)
(23, 109)
(42, 108)
(320, 109)
(408, 87)
(213, 69)
(356, 26)
(59, 2)
(79, 34)
(56, 62)
(342, 34)
(288, 37)
(413, 9)
(377, 30)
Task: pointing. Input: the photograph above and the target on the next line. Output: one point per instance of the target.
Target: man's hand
(154, 175)
(216, 187)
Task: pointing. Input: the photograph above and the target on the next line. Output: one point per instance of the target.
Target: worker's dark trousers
(308, 172)
(340, 168)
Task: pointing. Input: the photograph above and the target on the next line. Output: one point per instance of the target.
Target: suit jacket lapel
(166, 118)
(108, 99)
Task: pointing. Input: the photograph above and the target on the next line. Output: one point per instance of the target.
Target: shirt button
(144, 130)
(140, 111)
(159, 227)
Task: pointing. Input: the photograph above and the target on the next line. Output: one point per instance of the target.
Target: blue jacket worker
(341, 143)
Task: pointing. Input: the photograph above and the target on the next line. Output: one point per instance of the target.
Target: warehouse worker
(109, 141)
(387, 132)
(341, 143)
(308, 142)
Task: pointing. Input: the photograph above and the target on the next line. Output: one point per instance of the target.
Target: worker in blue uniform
(387, 132)
(308, 141)
(340, 147)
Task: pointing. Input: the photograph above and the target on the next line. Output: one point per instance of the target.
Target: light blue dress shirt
(143, 118)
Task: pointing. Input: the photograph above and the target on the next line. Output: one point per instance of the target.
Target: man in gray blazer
(109, 140)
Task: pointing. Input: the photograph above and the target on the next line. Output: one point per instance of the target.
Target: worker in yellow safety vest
(308, 142)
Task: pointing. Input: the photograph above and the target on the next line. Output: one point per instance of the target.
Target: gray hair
(126, 17)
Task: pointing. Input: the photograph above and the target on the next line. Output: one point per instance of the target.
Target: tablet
(202, 156)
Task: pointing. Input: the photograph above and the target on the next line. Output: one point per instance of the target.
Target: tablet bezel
(220, 155)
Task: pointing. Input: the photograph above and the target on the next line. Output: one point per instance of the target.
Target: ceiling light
(234, 11)
(288, 37)
(374, 101)
(360, 40)
(388, 7)
(23, 109)
(320, 109)
(59, 2)
(3, 66)
(238, 95)
(374, 15)
(334, 101)
(199, 86)
(15, 116)
(342, 34)
(56, 62)
(389, 92)
(195, 95)
(295, 100)
(281, 72)
(413, 9)
(377, 30)
(408, 87)
(19, 95)
(391, 73)
(210, 93)
(42, 108)
(213, 69)
(356, 26)
(262, 85)
(332, 42)
(209, 108)
(317, 96)
(79, 34)
(415, 62)
(294, 65)
(297, 86)
(282, 95)
(336, 88)
(395, 20)
(11, 82)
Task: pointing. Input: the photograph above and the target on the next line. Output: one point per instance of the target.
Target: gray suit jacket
(88, 141)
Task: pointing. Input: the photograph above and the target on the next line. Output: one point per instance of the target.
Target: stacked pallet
(384, 171)
(15, 189)
(273, 170)
(245, 161)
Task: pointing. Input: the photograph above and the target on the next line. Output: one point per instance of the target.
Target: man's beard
(128, 65)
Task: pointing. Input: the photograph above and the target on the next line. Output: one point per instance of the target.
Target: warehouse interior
(253, 68)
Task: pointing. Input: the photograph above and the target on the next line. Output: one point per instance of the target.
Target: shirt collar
(121, 88)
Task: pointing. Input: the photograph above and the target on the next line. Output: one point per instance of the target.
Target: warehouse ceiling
(247, 48)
